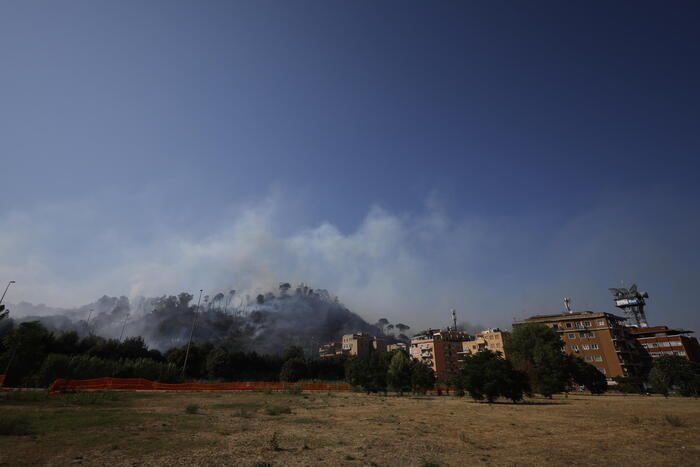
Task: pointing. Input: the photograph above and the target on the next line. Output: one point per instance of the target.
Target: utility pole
(3, 294)
(189, 343)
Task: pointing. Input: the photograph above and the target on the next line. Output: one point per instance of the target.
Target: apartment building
(331, 349)
(397, 346)
(490, 339)
(362, 345)
(439, 349)
(660, 340)
(601, 339)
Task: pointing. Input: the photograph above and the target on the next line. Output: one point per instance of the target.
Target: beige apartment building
(490, 339)
(601, 339)
(439, 349)
(362, 345)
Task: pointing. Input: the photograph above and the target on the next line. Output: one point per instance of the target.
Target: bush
(293, 370)
(673, 420)
(277, 409)
(488, 375)
(192, 408)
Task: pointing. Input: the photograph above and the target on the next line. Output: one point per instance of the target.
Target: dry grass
(354, 429)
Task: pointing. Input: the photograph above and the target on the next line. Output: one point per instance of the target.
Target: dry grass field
(248, 429)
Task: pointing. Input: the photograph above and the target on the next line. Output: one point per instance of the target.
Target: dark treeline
(33, 356)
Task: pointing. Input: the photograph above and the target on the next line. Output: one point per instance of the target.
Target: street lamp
(8, 286)
(194, 322)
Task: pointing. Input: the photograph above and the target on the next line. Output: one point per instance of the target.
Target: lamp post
(3, 294)
(194, 322)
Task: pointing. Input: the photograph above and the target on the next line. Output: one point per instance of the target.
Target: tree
(422, 377)
(293, 370)
(399, 373)
(218, 364)
(26, 348)
(672, 372)
(402, 328)
(587, 375)
(381, 323)
(536, 350)
(488, 375)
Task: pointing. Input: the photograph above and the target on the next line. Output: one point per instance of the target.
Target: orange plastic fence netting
(140, 384)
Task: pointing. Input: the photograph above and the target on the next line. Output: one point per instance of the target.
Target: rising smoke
(267, 323)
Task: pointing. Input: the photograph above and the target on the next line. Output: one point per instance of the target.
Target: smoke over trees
(269, 323)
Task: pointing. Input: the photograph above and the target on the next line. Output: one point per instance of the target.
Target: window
(587, 324)
(582, 335)
(664, 344)
(572, 336)
(591, 335)
(579, 325)
(601, 322)
(598, 358)
(586, 347)
(574, 347)
(569, 325)
(594, 346)
(589, 358)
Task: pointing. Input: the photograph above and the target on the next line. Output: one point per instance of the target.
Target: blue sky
(411, 157)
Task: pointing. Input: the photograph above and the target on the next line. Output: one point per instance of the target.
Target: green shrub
(275, 442)
(192, 408)
(277, 409)
(674, 420)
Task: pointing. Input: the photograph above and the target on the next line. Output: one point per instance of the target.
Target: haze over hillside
(268, 322)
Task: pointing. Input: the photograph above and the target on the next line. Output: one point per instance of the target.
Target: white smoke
(410, 268)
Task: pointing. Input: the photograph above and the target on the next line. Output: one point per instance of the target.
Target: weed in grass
(277, 409)
(192, 408)
(674, 420)
(262, 464)
(635, 420)
(305, 447)
(429, 463)
(243, 413)
(307, 420)
(385, 419)
(90, 398)
(275, 442)
(349, 458)
(15, 425)
(267, 391)
(24, 396)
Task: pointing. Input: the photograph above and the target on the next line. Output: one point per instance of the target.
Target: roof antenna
(567, 304)
(454, 320)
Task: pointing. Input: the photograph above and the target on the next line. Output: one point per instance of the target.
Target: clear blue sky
(530, 149)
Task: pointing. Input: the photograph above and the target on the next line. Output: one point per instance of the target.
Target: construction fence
(140, 384)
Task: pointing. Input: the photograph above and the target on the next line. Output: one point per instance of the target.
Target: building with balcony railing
(599, 338)
(440, 350)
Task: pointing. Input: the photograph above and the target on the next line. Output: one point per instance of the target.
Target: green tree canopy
(672, 372)
(399, 373)
(536, 350)
(488, 375)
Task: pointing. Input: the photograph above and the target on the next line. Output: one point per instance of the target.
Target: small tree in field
(488, 375)
(674, 372)
(422, 377)
(399, 373)
(536, 349)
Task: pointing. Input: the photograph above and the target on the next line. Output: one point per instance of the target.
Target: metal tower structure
(631, 302)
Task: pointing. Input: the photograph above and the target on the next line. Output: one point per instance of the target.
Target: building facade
(362, 345)
(659, 341)
(440, 350)
(490, 339)
(600, 339)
